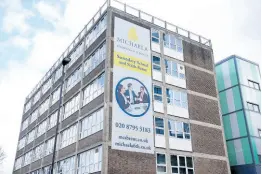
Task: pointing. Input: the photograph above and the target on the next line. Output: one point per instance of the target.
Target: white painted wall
(157, 76)
(180, 144)
(177, 111)
(158, 107)
(172, 53)
(155, 47)
(175, 81)
(160, 141)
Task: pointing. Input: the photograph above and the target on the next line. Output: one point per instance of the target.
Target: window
(39, 152)
(253, 84)
(68, 136)
(156, 63)
(39, 171)
(27, 106)
(18, 163)
(90, 161)
(55, 96)
(49, 145)
(76, 54)
(159, 126)
(94, 89)
(92, 123)
(155, 35)
(157, 93)
(31, 136)
(47, 170)
(72, 106)
(66, 166)
(44, 106)
(178, 98)
(34, 116)
(58, 73)
(253, 107)
(181, 164)
(21, 143)
(172, 42)
(161, 163)
(95, 59)
(172, 68)
(178, 129)
(73, 79)
(52, 120)
(25, 124)
(41, 128)
(28, 157)
(46, 86)
(36, 97)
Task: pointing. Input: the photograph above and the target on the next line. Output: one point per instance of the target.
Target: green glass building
(238, 82)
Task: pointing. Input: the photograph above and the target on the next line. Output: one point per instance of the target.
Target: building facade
(139, 96)
(240, 99)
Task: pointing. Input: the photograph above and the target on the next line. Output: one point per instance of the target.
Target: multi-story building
(139, 96)
(240, 99)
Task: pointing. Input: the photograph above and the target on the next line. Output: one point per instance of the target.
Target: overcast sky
(34, 33)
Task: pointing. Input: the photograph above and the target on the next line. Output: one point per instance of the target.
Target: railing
(129, 10)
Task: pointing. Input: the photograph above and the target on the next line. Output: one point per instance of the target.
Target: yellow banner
(132, 63)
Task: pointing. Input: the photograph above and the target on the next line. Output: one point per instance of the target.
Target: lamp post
(65, 61)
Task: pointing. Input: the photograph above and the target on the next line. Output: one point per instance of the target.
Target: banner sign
(132, 119)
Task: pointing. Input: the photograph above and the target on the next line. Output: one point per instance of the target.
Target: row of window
(177, 129)
(38, 131)
(90, 38)
(171, 68)
(253, 107)
(253, 84)
(169, 40)
(174, 97)
(179, 164)
(87, 162)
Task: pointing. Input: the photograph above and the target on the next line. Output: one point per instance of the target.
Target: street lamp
(65, 61)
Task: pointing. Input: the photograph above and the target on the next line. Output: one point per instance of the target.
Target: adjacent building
(240, 98)
(139, 96)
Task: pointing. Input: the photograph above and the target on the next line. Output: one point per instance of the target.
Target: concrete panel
(130, 162)
(203, 109)
(200, 81)
(17, 172)
(207, 140)
(56, 84)
(33, 108)
(69, 120)
(54, 107)
(68, 150)
(210, 166)
(87, 79)
(75, 65)
(35, 165)
(25, 169)
(19, 153)
(198, 56)
(23, 133)
(93, 46)
(47, 160)
(72, 91)
(42, 117)
(45, 96)
(94, 103)
(40, 139)
(31, 126)
(29, 146)
(88, 141)
(50, 132)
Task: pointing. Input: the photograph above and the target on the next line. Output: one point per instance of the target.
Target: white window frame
(55, 95)
(178, 163)
(41, 128)
(155, 64)
(155, 39)
(39, 152)
(90, 161)
(18, 162)
(175, 97)
(73, 79)
(47, 86)
(172, 68)
(58, 74)
(160, 165)
(28, 158)
(31, 136)
(44, 106)
(36, 97)
(27, 106)
(52, 120)
(173, 128)
(92, 123)
(21, 143)
(69, 136)
(71, 106)
(159, 128)
(94, 89)
(172, 42)
(25, 123)
(78, 51)
(49, 146)
(66, 166)
(158, 95)
(34, 116)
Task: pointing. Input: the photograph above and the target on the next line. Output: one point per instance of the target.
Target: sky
(34, 33)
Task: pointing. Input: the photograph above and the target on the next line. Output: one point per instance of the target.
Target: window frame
(161, 165)
(157, 94)
(155, 39)
(178, 163)
(74, 78)
(172, 98)
(159, 128)
(70, 134)
(71, 106)
(253, 84)
(155, 64)
(173, 130)
(253, 107)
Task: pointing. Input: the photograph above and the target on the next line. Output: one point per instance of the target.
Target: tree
(2, 155)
